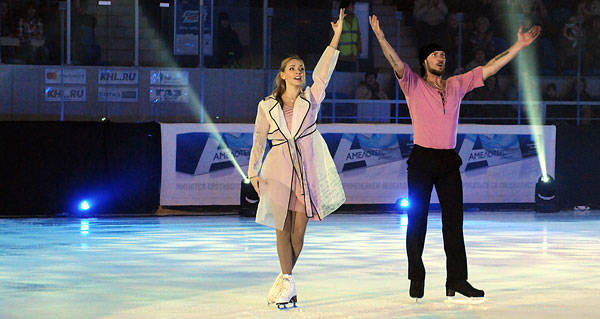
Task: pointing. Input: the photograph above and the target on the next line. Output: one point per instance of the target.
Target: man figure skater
(434, 105)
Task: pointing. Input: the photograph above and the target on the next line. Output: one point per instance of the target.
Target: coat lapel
(279, 118)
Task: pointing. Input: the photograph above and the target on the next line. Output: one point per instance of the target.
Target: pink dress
(296, 203)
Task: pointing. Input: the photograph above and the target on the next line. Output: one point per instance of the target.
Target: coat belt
(279, 141)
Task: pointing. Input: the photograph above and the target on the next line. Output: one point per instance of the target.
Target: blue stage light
(404, 203)
(84, 205)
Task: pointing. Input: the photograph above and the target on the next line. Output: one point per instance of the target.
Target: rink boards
(501, 163)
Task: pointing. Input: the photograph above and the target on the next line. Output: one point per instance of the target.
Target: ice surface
(352, 266)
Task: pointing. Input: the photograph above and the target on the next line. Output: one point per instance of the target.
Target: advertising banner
(117, 94)
(187, 27)
(197, 168)
(169, 77)
(500, 162)
(71, 94)
(203, 153)
(110, 76)
(169, 95)
(69, 76)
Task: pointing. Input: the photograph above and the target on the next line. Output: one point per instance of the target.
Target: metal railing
(267, 15)
(330, 111)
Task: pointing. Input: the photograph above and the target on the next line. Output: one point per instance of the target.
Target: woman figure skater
(298, 179)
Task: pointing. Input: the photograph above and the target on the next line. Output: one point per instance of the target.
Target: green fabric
(348, 44)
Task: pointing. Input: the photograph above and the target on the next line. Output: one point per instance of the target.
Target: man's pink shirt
(434, 122)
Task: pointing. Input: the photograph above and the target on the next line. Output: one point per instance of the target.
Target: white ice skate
(287, 294)
(274, 291)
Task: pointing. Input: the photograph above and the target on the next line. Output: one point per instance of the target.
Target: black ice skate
(417, 289)
(464, 288)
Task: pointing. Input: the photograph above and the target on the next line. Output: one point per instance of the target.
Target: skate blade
(465, 300)
(287, 305)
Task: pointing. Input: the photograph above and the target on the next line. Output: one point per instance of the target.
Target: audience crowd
(570, 41)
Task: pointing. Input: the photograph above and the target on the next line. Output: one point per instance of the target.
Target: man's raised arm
(388, 51)
(524, 39)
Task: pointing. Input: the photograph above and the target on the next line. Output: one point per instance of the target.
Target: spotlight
(248, 199)
(545, 195)
(84, 205)
(402, 203)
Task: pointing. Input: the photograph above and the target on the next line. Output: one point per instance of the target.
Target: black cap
(425, 51)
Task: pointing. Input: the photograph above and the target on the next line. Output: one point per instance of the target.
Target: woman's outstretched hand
(338, 25)
(255, 181)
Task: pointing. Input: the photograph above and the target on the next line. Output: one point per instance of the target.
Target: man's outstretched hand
(526, 38)
(375, 26)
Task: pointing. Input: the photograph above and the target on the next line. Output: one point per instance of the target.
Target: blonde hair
(279, 83)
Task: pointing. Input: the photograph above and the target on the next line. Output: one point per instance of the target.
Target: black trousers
(440, 168)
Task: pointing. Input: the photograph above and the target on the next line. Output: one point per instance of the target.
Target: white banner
(72, 94)
(166, 77)
(196, 170)
(169, 95)
(500, 162)
(70, 76)
(117, 76)
(117, 94)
